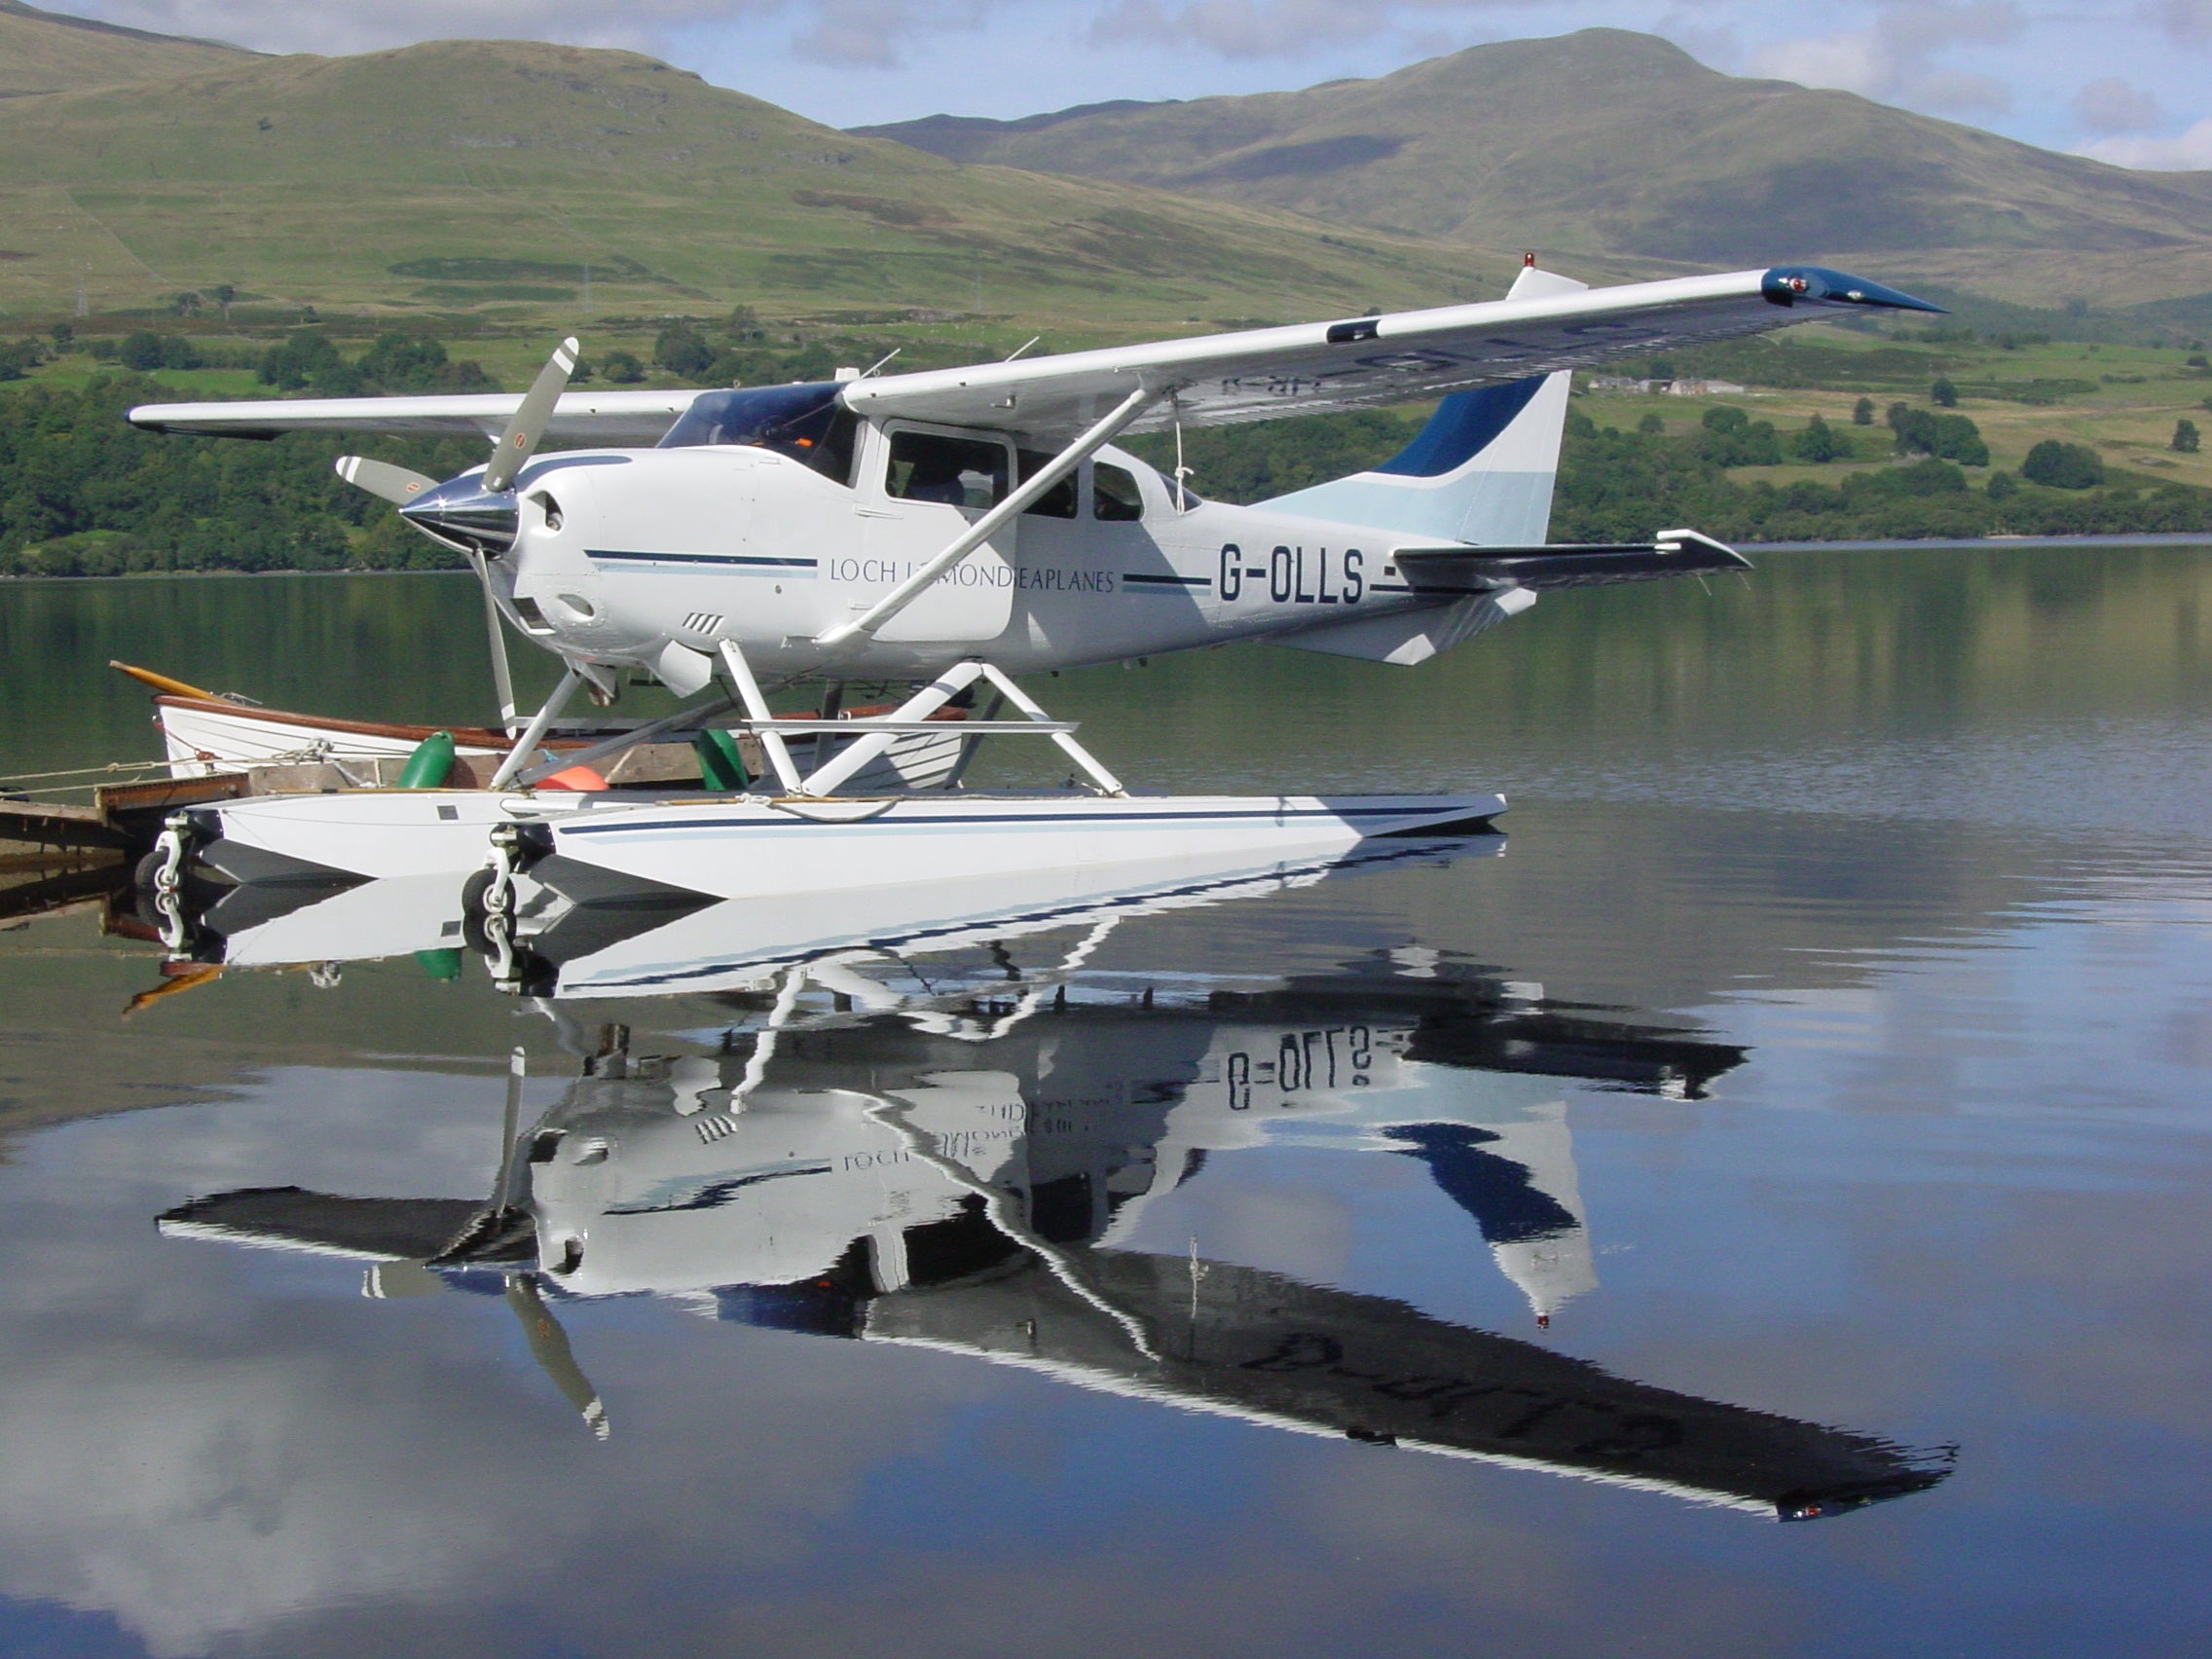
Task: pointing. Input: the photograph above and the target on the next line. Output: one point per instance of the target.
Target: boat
(207, 734)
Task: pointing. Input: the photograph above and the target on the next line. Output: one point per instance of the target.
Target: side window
(1114, 494)
(1060, 500)
(965, 472)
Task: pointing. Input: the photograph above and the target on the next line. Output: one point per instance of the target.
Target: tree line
(83, 493)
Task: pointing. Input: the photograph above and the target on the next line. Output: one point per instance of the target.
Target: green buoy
(431, 763)
(721, 767)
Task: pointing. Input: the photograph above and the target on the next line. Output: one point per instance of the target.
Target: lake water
(1805, 1111)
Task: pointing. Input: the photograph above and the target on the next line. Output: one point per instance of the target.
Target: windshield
(803, 421)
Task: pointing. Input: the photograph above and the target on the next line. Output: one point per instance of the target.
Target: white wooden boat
(203, 735)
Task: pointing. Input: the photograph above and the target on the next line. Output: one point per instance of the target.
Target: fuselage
(616, 554)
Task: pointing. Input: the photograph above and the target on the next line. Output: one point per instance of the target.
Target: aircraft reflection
(966, 1165)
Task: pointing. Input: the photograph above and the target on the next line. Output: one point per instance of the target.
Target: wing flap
(590, 417)
(1456, 572)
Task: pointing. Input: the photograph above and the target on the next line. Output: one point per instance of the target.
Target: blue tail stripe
(1464, 425)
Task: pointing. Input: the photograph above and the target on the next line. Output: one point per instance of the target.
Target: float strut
(756, 709)
(527, 745)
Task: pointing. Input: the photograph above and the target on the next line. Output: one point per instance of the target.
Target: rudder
(1481, 471)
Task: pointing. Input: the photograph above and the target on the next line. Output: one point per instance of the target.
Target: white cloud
(1270, 28)
(2110, 105)
(285, 25)
(875, 34)
(1894, 59)
(2190, 150)
(2188, 20)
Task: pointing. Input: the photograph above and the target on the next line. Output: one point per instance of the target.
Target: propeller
(519, 442)
(395, 483)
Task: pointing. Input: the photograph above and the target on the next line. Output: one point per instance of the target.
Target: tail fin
(1481, 471)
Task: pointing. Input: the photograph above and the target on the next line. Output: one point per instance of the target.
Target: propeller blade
(395, 483)
(519, 442)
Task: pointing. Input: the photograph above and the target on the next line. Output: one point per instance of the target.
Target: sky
(2128, 81)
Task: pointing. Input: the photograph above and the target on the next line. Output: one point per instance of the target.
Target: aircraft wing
(1460, 572)
(590, 417)
(1311, 368)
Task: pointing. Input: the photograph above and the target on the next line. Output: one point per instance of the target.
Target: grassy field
(2122, 401)
(488, 185)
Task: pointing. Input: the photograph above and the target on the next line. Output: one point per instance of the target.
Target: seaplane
(942, 533)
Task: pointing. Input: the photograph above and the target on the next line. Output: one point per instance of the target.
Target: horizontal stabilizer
(1455, 573)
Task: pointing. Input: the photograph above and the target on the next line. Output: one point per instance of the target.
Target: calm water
(1472, 1251)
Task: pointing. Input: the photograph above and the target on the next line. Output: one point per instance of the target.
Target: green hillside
(1610, 142)
(485, 177)
(47, 52)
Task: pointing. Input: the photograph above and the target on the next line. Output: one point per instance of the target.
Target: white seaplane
(950, 528)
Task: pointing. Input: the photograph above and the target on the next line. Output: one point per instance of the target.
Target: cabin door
(931, 486)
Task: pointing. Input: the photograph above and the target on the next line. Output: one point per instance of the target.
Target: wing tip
(1817, 284)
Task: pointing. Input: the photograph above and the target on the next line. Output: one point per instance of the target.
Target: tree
(64, 336)
(1819, 442)
(145, 351)
(2186, 438)
(1863, 412)
(1652, 424)
(1949, 437)
(1943, 394)
(2063, 467)
(1732, 438)
(225, 293)
(683, 351)
(2003, 485)
(307, 358)
(622, 367)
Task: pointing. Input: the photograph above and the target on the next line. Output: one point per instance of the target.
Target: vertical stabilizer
(1481, 471)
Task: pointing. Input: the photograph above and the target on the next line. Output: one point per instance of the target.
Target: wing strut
(990, 525)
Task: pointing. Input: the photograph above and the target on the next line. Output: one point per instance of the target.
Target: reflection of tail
(1517, 1180)
(1481, 470)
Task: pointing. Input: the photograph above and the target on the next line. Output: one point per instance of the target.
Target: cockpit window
(931, 466)
(806, 423)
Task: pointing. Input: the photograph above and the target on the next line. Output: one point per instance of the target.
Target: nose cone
(468, 515)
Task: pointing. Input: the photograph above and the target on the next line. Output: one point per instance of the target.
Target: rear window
(1114, 494)
(962, 473)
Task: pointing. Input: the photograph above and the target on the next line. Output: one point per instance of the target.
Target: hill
(1610, 142)
(473, 176)
(48, 52)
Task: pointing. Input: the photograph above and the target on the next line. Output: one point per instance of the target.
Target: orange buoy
(574, 778)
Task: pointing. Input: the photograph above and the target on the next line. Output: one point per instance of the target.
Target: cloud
(1893, 61)
(1269, 28)
(2110, 105)
(286, 25)
(2189, 20)
(2190, 150)
(874, 34)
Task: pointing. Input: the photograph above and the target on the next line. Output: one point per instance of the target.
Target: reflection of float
(972, 1172)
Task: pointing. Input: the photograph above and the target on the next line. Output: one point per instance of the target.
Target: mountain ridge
(471, 169)
(51, 52)
(1610, 142)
